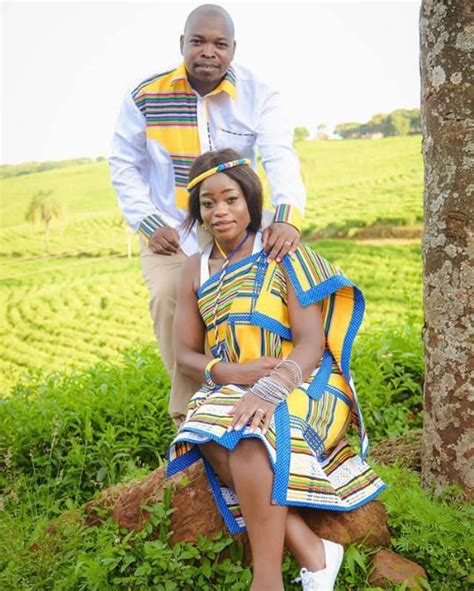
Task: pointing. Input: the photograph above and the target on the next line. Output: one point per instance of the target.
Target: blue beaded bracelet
(207, 373)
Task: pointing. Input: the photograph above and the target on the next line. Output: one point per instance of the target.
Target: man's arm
(281, 164)
(128, 164)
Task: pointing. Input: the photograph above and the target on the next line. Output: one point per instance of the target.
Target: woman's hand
(252, 371)
(245, 374)
(250, 406)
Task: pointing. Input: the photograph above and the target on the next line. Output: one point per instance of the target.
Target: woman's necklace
(227, 257)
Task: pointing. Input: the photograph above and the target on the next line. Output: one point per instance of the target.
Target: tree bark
(447, 41)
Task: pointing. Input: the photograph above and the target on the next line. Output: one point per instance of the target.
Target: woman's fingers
(258, 416)
(266, 422)
(258, 412)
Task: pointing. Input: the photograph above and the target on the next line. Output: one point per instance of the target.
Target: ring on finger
(287, 242)
(260, 411)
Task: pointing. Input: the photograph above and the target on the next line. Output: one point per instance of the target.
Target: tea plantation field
(84, 301)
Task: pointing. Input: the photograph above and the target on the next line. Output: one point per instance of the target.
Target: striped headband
(220, 168)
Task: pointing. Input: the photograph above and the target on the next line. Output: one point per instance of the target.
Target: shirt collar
(227, 85)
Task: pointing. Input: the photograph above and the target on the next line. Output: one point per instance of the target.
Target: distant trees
(10, 170)
(300, 133)
(44, 209)
(398, 123)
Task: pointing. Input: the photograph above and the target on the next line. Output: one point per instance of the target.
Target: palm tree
(44, 208)
(446, 61)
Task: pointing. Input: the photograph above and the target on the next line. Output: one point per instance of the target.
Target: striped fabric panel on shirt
(168, 109)
(182, 164)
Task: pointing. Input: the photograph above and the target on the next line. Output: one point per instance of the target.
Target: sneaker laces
(306, 578)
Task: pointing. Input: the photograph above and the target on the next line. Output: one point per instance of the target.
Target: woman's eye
(232, 199)
(206, 204)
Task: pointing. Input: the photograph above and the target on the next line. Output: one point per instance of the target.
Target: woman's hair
(243, 175)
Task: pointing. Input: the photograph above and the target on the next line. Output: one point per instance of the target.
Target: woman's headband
(220, 168)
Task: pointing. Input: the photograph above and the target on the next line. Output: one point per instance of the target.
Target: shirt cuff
(149, 224)
(288, 214)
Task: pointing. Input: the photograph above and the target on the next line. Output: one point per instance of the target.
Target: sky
(66, 65)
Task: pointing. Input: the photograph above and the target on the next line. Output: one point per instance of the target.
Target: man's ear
(181, 43)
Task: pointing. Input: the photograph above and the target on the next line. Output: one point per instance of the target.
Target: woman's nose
(221, 209)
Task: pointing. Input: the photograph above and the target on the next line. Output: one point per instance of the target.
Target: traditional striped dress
(312, 462)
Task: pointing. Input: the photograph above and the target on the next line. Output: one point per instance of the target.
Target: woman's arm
(189, 335)
(308, 347)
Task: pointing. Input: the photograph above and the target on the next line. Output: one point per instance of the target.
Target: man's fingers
(172, 237)
(170, 244)
(161, 248)
(285, 248)
(272, 237)
(274, 253)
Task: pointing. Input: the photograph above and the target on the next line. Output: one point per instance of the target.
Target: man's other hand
(280, 239)
(164, 241)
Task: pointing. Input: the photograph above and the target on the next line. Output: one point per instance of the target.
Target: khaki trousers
(161, 274)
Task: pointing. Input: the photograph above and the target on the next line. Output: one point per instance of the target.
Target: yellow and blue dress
(312, 461)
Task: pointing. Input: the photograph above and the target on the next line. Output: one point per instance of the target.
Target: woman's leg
(252, 475)
(306, 546)
(301, 541)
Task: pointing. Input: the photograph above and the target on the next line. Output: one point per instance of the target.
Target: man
(165, 123)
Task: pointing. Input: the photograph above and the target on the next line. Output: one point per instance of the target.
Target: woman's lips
(222, 225)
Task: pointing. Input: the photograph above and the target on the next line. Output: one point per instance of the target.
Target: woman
(277, 398)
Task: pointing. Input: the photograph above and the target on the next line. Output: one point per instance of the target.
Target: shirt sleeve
(280, 161)
(128, 164)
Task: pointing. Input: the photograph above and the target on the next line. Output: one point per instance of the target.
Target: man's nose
(208, 50)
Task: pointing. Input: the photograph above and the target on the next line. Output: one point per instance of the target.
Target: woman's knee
(251, 451)
(219, 460)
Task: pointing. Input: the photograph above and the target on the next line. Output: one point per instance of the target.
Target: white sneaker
(323, 580)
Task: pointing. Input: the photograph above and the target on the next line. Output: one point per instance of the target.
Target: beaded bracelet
(207, 373)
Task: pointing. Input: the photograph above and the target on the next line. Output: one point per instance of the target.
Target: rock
(195, 511)
(405, 449)
(390, 568)
(367, 525)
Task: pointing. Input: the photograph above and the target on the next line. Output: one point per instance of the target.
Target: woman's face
(223, 207)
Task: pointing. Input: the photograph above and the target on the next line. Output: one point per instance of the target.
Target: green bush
(388, 372)
(72, 435)
(435, 532)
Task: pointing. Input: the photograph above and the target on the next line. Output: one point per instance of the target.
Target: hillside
(85, 301)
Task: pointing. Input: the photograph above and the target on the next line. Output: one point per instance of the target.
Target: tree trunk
(446, 31)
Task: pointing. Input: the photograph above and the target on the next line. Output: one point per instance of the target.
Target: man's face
(207, 47)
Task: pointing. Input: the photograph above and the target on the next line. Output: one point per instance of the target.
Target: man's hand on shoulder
(280, 239)
(164, 241)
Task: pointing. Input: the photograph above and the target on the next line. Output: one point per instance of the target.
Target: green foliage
(107, 558)
(400, 122)
(300, 133)
(71, 435)
(435, 532)
(388, 370)
(12, 170)
(361, 184)
(64, 314)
